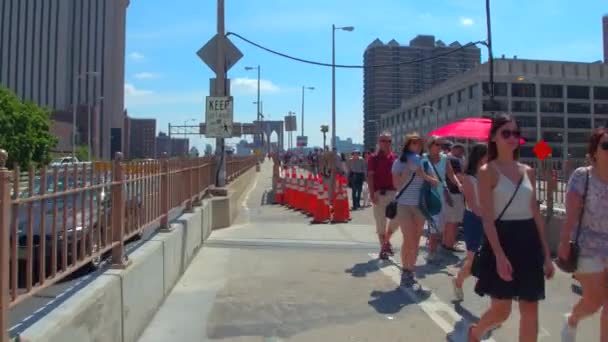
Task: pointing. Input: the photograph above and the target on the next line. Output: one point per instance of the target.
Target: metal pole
(220, 90)
(302, 110)
(333, 112)
(490, 55)
(259, 116)
(74, 104)
(89, 130)
(333, 86)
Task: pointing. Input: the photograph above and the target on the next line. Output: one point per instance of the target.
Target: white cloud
(132, 91)
(250, 86)
(136, 56)
(466, 21)
(144, 99)
(147, 76)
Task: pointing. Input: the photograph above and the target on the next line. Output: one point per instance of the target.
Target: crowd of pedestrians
(492, 196)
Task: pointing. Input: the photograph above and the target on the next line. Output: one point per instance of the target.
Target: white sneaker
(458, 292)
(568, 332)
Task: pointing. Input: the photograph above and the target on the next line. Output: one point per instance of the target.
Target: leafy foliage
(24, 130)
(82, 153)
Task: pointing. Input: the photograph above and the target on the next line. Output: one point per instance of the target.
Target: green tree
(82, 152)
(24, 130)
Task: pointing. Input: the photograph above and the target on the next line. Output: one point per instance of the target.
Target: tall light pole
(303, 90)
(75, 105)
(258, 118)
(89, 144)
(333, 100)
(436, 114)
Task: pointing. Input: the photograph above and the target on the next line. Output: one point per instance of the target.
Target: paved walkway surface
(274, 277)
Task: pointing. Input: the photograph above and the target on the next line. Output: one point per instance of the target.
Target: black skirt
(521, 243)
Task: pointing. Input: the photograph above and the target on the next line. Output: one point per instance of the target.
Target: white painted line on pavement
(441, 313)
(246, 198)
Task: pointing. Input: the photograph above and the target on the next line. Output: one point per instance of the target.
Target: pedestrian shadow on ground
(363, 269)
(438, 267)
(391, 302)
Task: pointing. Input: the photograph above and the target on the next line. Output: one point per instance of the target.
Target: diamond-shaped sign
(542, 150)
(208, 53)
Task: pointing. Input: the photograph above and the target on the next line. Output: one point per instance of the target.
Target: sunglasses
(506, 134)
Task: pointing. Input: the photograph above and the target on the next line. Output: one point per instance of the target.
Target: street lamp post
(436, 114)
(333, 98)
(89, 143)
(303, 89)
(75, 105)
(258, 68)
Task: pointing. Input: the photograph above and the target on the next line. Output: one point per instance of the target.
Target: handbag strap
(580, 215)
(434, 169)
(406, 185)
(511, 199)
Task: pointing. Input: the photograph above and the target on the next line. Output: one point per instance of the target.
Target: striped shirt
(411, 196)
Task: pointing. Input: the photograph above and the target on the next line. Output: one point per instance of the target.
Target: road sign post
(220, 55)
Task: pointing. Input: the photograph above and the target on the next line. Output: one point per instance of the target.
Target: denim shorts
(473, 230)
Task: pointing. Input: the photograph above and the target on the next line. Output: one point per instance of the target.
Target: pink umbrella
(469, 128)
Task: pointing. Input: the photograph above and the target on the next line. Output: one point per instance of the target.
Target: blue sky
(166, 80)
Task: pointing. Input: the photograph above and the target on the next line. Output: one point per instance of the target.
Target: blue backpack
(430, 199)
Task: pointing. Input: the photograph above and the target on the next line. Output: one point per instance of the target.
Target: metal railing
(552, 177)
(65, 217)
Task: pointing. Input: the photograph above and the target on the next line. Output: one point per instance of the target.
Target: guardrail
(552, 177)
(69, 216)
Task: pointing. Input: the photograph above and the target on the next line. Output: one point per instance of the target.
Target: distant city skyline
(166, 80)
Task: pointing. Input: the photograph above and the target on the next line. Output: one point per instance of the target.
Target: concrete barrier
(118, 305)
(225, 209)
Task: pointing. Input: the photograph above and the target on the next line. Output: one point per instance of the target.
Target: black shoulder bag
(391, 209)
(569, 265)
(475, 267)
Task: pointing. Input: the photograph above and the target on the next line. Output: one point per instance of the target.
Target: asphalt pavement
(273, 276)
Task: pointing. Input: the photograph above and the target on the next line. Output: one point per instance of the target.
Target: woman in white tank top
(473, 228)
(514, 258)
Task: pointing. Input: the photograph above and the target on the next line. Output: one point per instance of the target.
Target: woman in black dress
(514, 259)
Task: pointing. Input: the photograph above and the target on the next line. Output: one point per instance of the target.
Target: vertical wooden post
(5, 219)
(188, 182)
(164, 194)
(119, 259)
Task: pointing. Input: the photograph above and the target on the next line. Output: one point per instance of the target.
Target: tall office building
(605, 29)
(65, 53)
(386, 87)
(140, 139)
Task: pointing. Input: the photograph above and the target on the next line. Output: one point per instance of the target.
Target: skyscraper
(65, 53)
(386, 87)
(605, 25)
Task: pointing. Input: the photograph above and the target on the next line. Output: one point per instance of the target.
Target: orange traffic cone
(313, 203)
(311, 196)
(322, 208)
(340, 213)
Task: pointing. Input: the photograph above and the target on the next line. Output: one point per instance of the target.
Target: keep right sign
(219, 113)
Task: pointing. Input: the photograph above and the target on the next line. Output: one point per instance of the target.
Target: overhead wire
(412, 61)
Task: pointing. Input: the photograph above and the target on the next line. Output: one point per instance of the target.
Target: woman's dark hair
(409, 139)
(497, 122)
(594, 141)
(477, 153)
